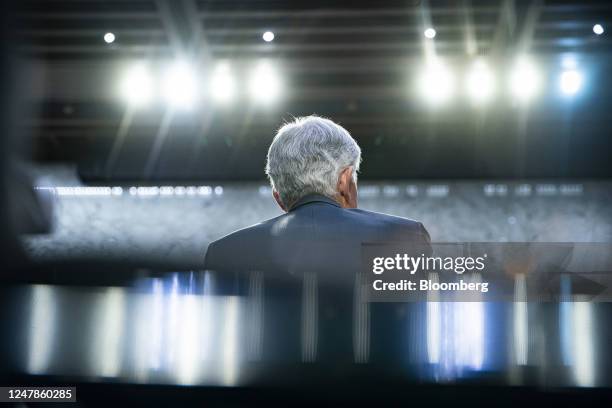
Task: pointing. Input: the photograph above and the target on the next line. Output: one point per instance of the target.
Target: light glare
(265, 85)
(137, 86)
(437, 83)
(180, 86)
(480, 83)
(571, 82)
(222, 86)
(525, 80)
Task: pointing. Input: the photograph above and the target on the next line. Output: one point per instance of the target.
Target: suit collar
(313, 198)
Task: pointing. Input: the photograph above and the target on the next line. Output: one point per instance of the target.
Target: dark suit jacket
(317, 235)
(315, 238)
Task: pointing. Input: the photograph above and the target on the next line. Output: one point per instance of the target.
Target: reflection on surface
(230, 340)
(182, 329)
(576, 327)
(583, 345)
(521, 321)
(433, 323)
(107, 345)
(455, 335)
(42, 328)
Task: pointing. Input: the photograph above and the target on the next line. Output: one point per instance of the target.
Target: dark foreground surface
(185, 338)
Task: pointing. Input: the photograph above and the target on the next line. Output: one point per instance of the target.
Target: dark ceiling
(71, 30)
(348, 60)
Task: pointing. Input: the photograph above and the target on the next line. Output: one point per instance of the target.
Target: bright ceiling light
(569, 61)
(436, 84)
(430, 33)
(268, 36)
(137, 86)
(480, 82)
(570, 82)
(598, 29)
(180, 86)
(222, 84)
(109, 38)
(265, 84)
(525, 80)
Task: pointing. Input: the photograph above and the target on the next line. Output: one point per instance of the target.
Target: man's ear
(278, 200)
(347, 189)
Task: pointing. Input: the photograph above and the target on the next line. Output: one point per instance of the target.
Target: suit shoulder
(222, 252)
(242, 234)
(386, 218)
(393, 223)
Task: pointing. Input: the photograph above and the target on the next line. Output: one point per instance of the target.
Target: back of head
(307, 156)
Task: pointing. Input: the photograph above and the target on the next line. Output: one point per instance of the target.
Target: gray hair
(307, 156)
